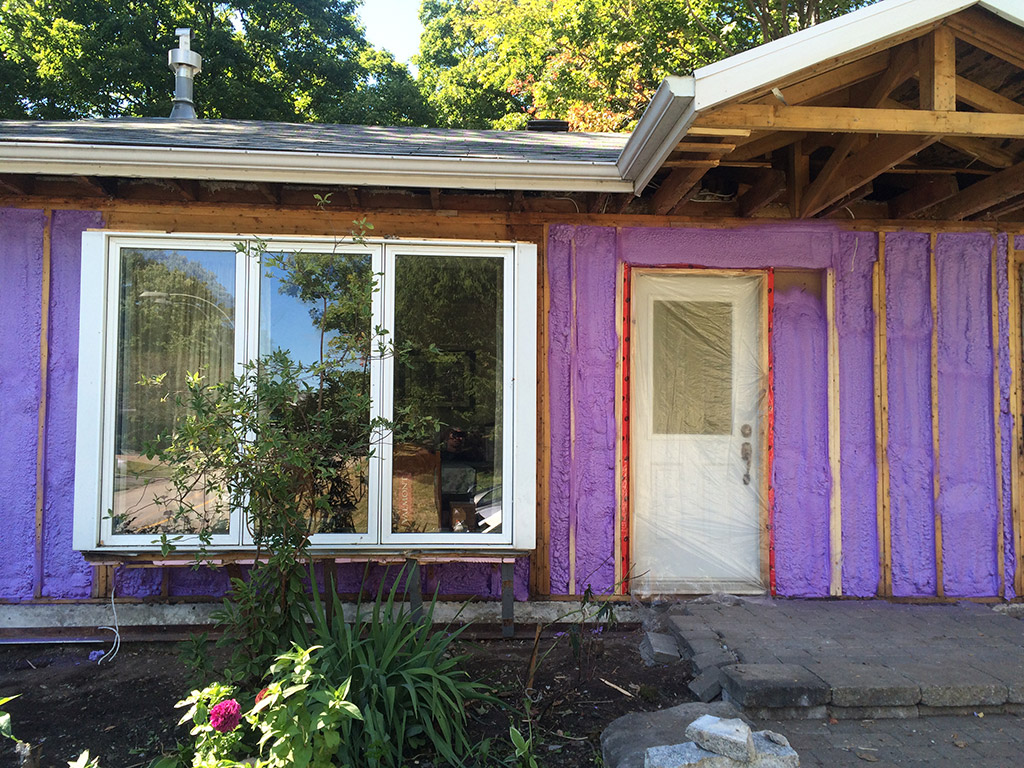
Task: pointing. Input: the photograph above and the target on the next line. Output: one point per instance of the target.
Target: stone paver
(872, 657)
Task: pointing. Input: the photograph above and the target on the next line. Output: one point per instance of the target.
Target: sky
(393, 25)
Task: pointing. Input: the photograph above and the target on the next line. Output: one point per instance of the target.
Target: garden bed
(124, 712)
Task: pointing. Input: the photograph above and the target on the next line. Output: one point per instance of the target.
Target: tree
(296, 60)
(596, 63)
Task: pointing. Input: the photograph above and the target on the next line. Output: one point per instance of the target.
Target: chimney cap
(183, 55)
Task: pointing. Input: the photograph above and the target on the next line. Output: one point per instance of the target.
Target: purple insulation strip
(21, 262)
(909, 337)
(67, 575)
(855, 327)
(801, 469)
(967, 492)
(1005, 415)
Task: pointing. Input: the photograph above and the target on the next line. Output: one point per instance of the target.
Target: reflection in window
(320, 314)
(176, 317)
(448, 339)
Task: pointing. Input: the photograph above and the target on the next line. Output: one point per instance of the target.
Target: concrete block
(786, 713)
(731, 738)
(767, 754)
(866, 685)
(659, 648)
(707, 686)
(774, 685)
(947, 685)
(696, 645)
(709, 659)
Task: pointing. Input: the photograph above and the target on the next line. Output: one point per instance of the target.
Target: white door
(695, 432)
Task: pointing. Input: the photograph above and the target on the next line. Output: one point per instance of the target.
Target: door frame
(624, 484)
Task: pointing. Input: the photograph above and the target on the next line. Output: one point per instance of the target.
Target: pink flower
(225, 715)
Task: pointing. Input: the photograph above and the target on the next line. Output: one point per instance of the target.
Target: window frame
(97, 389)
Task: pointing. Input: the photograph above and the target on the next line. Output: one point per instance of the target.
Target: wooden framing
(540, 562)
(767, 486)
(623, 552)
(44, 378)
(882, 425)
(1013, 266)
(835, 520)
(933, 283)
(573, 342)
(997, 401)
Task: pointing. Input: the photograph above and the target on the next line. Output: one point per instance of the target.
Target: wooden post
(933, 282)
(882, 426)
(1013, 275)
(835, 523)
(540, 561)
(44, 369)
(574, 351)
(996, 413)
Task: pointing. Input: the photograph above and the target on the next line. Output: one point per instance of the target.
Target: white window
(160, 307)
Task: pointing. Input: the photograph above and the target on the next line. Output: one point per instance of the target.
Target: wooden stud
(938, 70)
(882, 425)
(684, 163)
(574, 348)
(997, 403)
(44, 378)
(1017, 413)
(540, 570)
(704, 147)
(768, 437)
(799, 170)
(777, 117)
(835, 522)
(435, 198)
(933, 283)
(723, 133)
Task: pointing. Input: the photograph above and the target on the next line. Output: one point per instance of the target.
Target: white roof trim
(309, 167)
(666, 121)
(756, 69)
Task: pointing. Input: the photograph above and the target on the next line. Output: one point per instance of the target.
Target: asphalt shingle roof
(370, 140)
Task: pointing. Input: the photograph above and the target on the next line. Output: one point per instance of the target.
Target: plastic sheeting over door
(696, 432)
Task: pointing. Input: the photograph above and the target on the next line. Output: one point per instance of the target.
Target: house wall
(51, 569)
(583, 267)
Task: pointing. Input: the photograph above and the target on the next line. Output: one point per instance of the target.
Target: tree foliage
(596, 63)
(294, 60)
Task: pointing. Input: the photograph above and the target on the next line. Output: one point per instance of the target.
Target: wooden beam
(982, 195)
(694, 163)
(858, 169)
(847, 200)
(352, 193)
(435, 198)
(42, 410)
(990, 34)
(600, 202)
(933, 283)
(982, 98)
(1010, 205)
(678, 187)
(735, 133)
(764, 144)
(972, 147)
(704, 147)
(860, 120)
(835, 518)
(882, 497)
(799, 170)
(938, 70)
(830, 81)
(932, 190)
(770, 185)
(902, 68)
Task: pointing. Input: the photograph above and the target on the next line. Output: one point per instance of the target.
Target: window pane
(176, 317)
(318, 310)
(448, 339)
(692, 368)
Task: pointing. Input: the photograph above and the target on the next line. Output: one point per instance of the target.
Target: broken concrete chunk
(687, 755)
(707, 686)
(775, 738)
(771, 754)
(730, 738)
(659, 648)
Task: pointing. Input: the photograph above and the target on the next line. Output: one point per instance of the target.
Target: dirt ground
(124, 712)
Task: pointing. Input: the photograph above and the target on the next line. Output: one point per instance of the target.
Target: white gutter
(667, 119)
(309, 167)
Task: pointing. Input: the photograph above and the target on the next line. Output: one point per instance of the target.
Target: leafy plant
(5, 719)
(404, 679)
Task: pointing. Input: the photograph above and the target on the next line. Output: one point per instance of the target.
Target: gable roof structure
(890, 80)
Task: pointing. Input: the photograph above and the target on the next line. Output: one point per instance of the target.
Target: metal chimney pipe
(186, 64)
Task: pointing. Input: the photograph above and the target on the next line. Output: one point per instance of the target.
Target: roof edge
(310, 167)
(664, 122)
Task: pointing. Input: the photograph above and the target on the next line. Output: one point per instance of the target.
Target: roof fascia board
(665, 121)
(309, 168)
(760, 67)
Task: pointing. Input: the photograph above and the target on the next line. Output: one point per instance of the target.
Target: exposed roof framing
(872, 106)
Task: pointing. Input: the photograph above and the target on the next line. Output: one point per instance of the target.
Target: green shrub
(405, 681)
